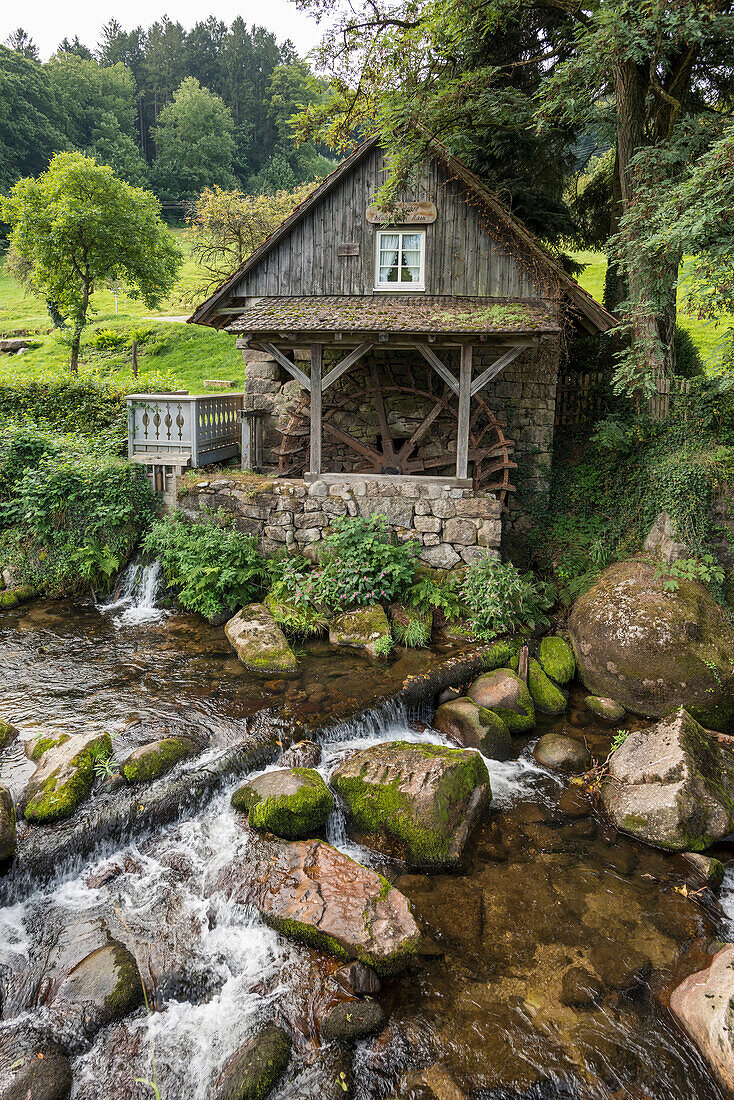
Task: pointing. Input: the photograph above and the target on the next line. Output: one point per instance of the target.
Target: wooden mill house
(409, 355)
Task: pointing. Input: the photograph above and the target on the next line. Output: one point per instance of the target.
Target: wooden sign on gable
(403, 213)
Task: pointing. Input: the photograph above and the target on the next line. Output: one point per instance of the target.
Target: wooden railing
(183, 430)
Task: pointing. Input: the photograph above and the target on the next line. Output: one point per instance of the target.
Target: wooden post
(316, 361)
(462, 436)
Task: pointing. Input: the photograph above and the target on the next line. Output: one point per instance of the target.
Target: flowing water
(548, 892)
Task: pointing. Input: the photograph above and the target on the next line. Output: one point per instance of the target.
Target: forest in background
(170, 109)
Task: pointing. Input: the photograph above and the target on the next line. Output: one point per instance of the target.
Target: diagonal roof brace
(499, 364)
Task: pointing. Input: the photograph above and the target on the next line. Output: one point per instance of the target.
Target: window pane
(389, 240)
(411, 240)
(410, 275)
(389, 274)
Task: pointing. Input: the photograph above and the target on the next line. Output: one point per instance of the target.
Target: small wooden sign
(347, 250)
(403, 213)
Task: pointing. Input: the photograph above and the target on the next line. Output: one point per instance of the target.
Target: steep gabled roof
(591, 311)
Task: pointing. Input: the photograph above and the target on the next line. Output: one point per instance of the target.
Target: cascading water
(134, 598)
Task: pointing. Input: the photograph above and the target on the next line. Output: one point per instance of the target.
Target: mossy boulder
(156, 758)
(671, 785)
(360, 628)
(350, 1021)
(653, 650)
(253, 1070)
(507, 695)
(291, 802)
(8, 837)
(301, 754)
(35, 749)
(562, 754)
(8, 598)
(557, 659)
(416, 800)
(8, 734)
(63, 777)
(607, 710)
(103, 987)
(547, 697)
(32, 1067)
(706, 870)
(473, 727)
(259, 642)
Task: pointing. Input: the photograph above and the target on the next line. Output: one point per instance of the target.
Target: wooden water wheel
(489, 450)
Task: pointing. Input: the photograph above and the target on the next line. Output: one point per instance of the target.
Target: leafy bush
(361, 564)
(503, 601)
(290, 597)
(688, 362)
(414, 633)
(703, 569)
(71, 511)
(215, 568)
(107, 339)
(429, 594)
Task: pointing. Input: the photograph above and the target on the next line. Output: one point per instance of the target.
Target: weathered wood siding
(461, 256)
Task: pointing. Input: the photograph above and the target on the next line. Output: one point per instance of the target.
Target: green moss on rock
(8, 837)
(56, 793)
(608, 710)
(153, 760)
(361, 628)
(548, 698)
(36, 749)
(291, 802)
(503, 692)
(557, 659)
(8, 734)
(253, 1071)
(8, 598)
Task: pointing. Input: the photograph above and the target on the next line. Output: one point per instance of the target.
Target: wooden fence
(669, 392)
(582, 399)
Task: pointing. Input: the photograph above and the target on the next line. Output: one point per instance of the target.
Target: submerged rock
(304, 754)
(8, 837)
(358, 979)
(293, 803)
(103, 987)
(259, 642)
(434, 1083)
(605, 709)
(706, 869)
(557, 659)
(508, 696)
(704, 1005)
(581, 988)
(671, 785)
(31, 1067)
(349, 1021)
(653, 650)
(64, 777)
(315, 894)
(360, 628)
(8, 734)
(474, 727)
(562, 754)
(425, 799)
(256, 1067)
(156, 758)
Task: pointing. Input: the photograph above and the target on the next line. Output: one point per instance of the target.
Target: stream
(548, 888)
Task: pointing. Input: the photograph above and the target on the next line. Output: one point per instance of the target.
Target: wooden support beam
(462, 435)
(499, 364)
(439, 367)
(285, 363)
(317, 354)
(347, 362)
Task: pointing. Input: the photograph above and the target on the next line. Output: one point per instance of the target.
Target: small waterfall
(135, 594)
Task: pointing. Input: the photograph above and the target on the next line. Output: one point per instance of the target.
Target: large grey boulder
(291, 802)
(704, 1005)
(419, 801)
(473, 727)
(103, 987)
(671, 785)
(652, 650)
(508, 696)
(317, 895)
(259, 642)
(63, 777)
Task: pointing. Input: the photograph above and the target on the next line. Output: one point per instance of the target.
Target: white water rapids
(135, 595)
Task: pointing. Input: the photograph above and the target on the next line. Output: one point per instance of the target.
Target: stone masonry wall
(452, 525)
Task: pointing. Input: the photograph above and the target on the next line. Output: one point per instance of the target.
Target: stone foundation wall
(451, 524)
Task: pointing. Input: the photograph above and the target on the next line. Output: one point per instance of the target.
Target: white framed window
(400, 259)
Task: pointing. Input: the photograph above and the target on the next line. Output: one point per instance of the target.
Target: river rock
(671, 785)
(473, 727)
(63, 777)
(358, 979)
(607, 710)
(362, 628)
(508, 696)
(304, 754)
(706, 870)
(557, 659)
(313, 892)
(291, 802)
(704, 1005)
(434, 1083)
(562, 754)
(349, 1021)
(256, 1067)
(259, 642)
(8, 837)
(103, 987)
(547, 697)
(156, 758)
(8, 734)
(652, 650)
(580, 988)
(425, 799)
(31, 1067)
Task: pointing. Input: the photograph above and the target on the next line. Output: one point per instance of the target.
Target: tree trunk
(135, 358)
(75, 341)
(615, 281)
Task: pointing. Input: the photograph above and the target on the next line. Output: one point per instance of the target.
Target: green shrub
(501, 600)
(71, 511)
(214, 567)
(440, 594)
(107, 339)
(688, 362)
(362, 565)
(290, 597)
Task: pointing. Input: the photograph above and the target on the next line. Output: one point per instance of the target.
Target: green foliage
(290, 598)
(195, 139)
(414, 633)
(362, 565)
(70, 510)
(382, 646)
(429, 594)
(501, 600)
(688, 362)
(703, 569)
(214, 568)
(618, 740)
